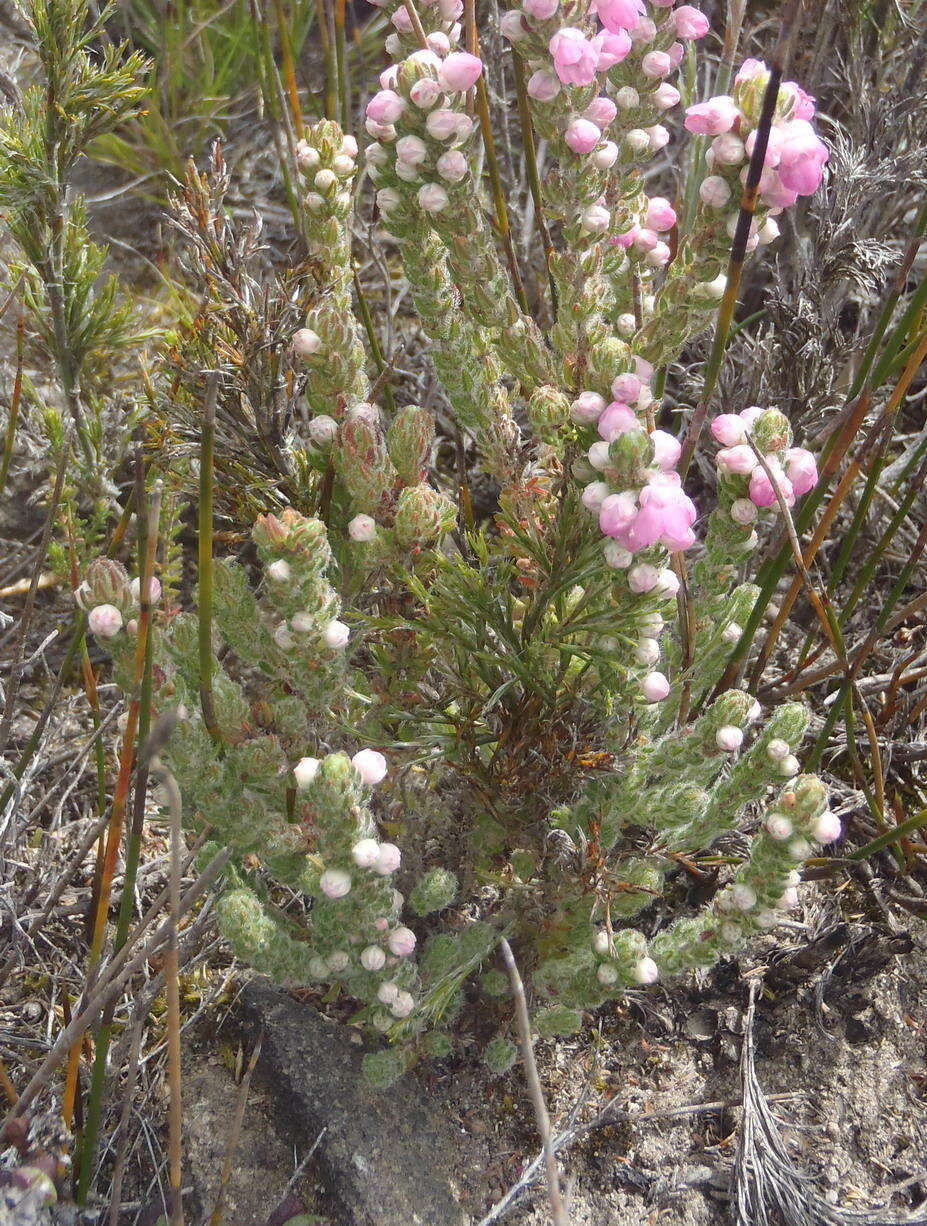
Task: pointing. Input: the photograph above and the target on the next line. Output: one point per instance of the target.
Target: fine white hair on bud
(601, 942)
(607, 974)
(647, 651)
(389, 857)
(305, 771)
(789, 766)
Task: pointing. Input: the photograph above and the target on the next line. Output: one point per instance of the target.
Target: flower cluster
(784, 471)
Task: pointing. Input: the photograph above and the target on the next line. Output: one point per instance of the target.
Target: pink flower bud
(441, 124)
(595, 494)
(777, 749)
(402, 1005)
(412, 150)
(366, 853)
(616, 556)
(729, 429)
(425, 93)
(370, 765)
(460, 71)
(655, 687)
(336, 635)
(586, 407)
(105, 621)
(713, 117)
(401, 942)
(626, 388)
(279, 571)
(666, 449)
(728, 149)
(739, 460)
(647, 651)
(606, 155)
(666, 95)
(541, 10)
(402, 21)
(714, 191)
(729, 738)
(743, 512)
(646, 971)
(575, 57)
(387, 200)
(619, 14)
(601, 111)
(643, 578)
(432, 197)
(826, 827)
(690, 22)
(660, 216)
(452, 166)
(387, 992)
(595, 218)
(386, 106)
(335, 883)
(373, 958)
(656, 64)
(512, 25)
(667, 582)
(617, 513)
(617, 419)
(306, 342)
(388, 859)
(779, 827)
(362, 528)
(762, 490)
(611, 48)
(801, 469)
(543, 86)
(598, 456)
(657, 137)
(582, 136)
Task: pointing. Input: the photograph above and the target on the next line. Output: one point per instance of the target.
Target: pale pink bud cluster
(790, 474)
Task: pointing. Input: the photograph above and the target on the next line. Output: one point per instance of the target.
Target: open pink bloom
(728, 429)
(773, 146)
(459, 71)
(611, 48)
(666, 515)
(582, 135)
(801, 158)
(618, 15)
(617, 419)
(661, 215)
(576, 59)
(801, 469)
(617, 513)
(666, 449)
(690, 22)
(628, 238)
(385, 106)
(803, 105)
(762, 492)
(713, 117)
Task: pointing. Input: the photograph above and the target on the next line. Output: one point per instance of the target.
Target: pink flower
(805, 105)
(628, 238)
(751, 415)
(105, 621)
(582, 135)
(666, 449)
(543, 86)
(728, 429)
(626, 388)
(801, 158)
(617, 419)
(666, 95)
(661, 215)
(617, 514)
(773, 191)
(656, 64)
(690, 22)
(645, 240)
(459, 71)
(370, 765)
(826, 827)
(750, 70)
(773, 148)
(541, 10)
(600, 111)
(586, 407)
(762, 491)
(738, 459)
(656, 688)
(801, 469)
(713, 117)
(618, 15)
(611, 48)
(575, 57)
(385, 106)
(643, 578)
(666, 515)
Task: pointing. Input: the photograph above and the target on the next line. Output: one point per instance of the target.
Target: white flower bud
(637, 140)
(729, 738)
(362, 528)
(626, 324)
(401, 942)
(279, 571)
(389, 858)
(105, 621)
(627, 98)
(322, 430)
(742, 897)
(338, 961)
(779, 827)
(335, 883)
(647, 651)
(646, 971)
(387, 992)
(432, 197)
(403, 1004)
(370, 765)
(365, 853)
(336, 635)
(616, 556)
(598, 455)
(607, 974)
(305, 771)
(373, 958)
(325, 181)
(777, 750)
(283, 638)
(789, 766)
(601, 942)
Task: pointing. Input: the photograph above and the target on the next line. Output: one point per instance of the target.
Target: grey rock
(386, 1158)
